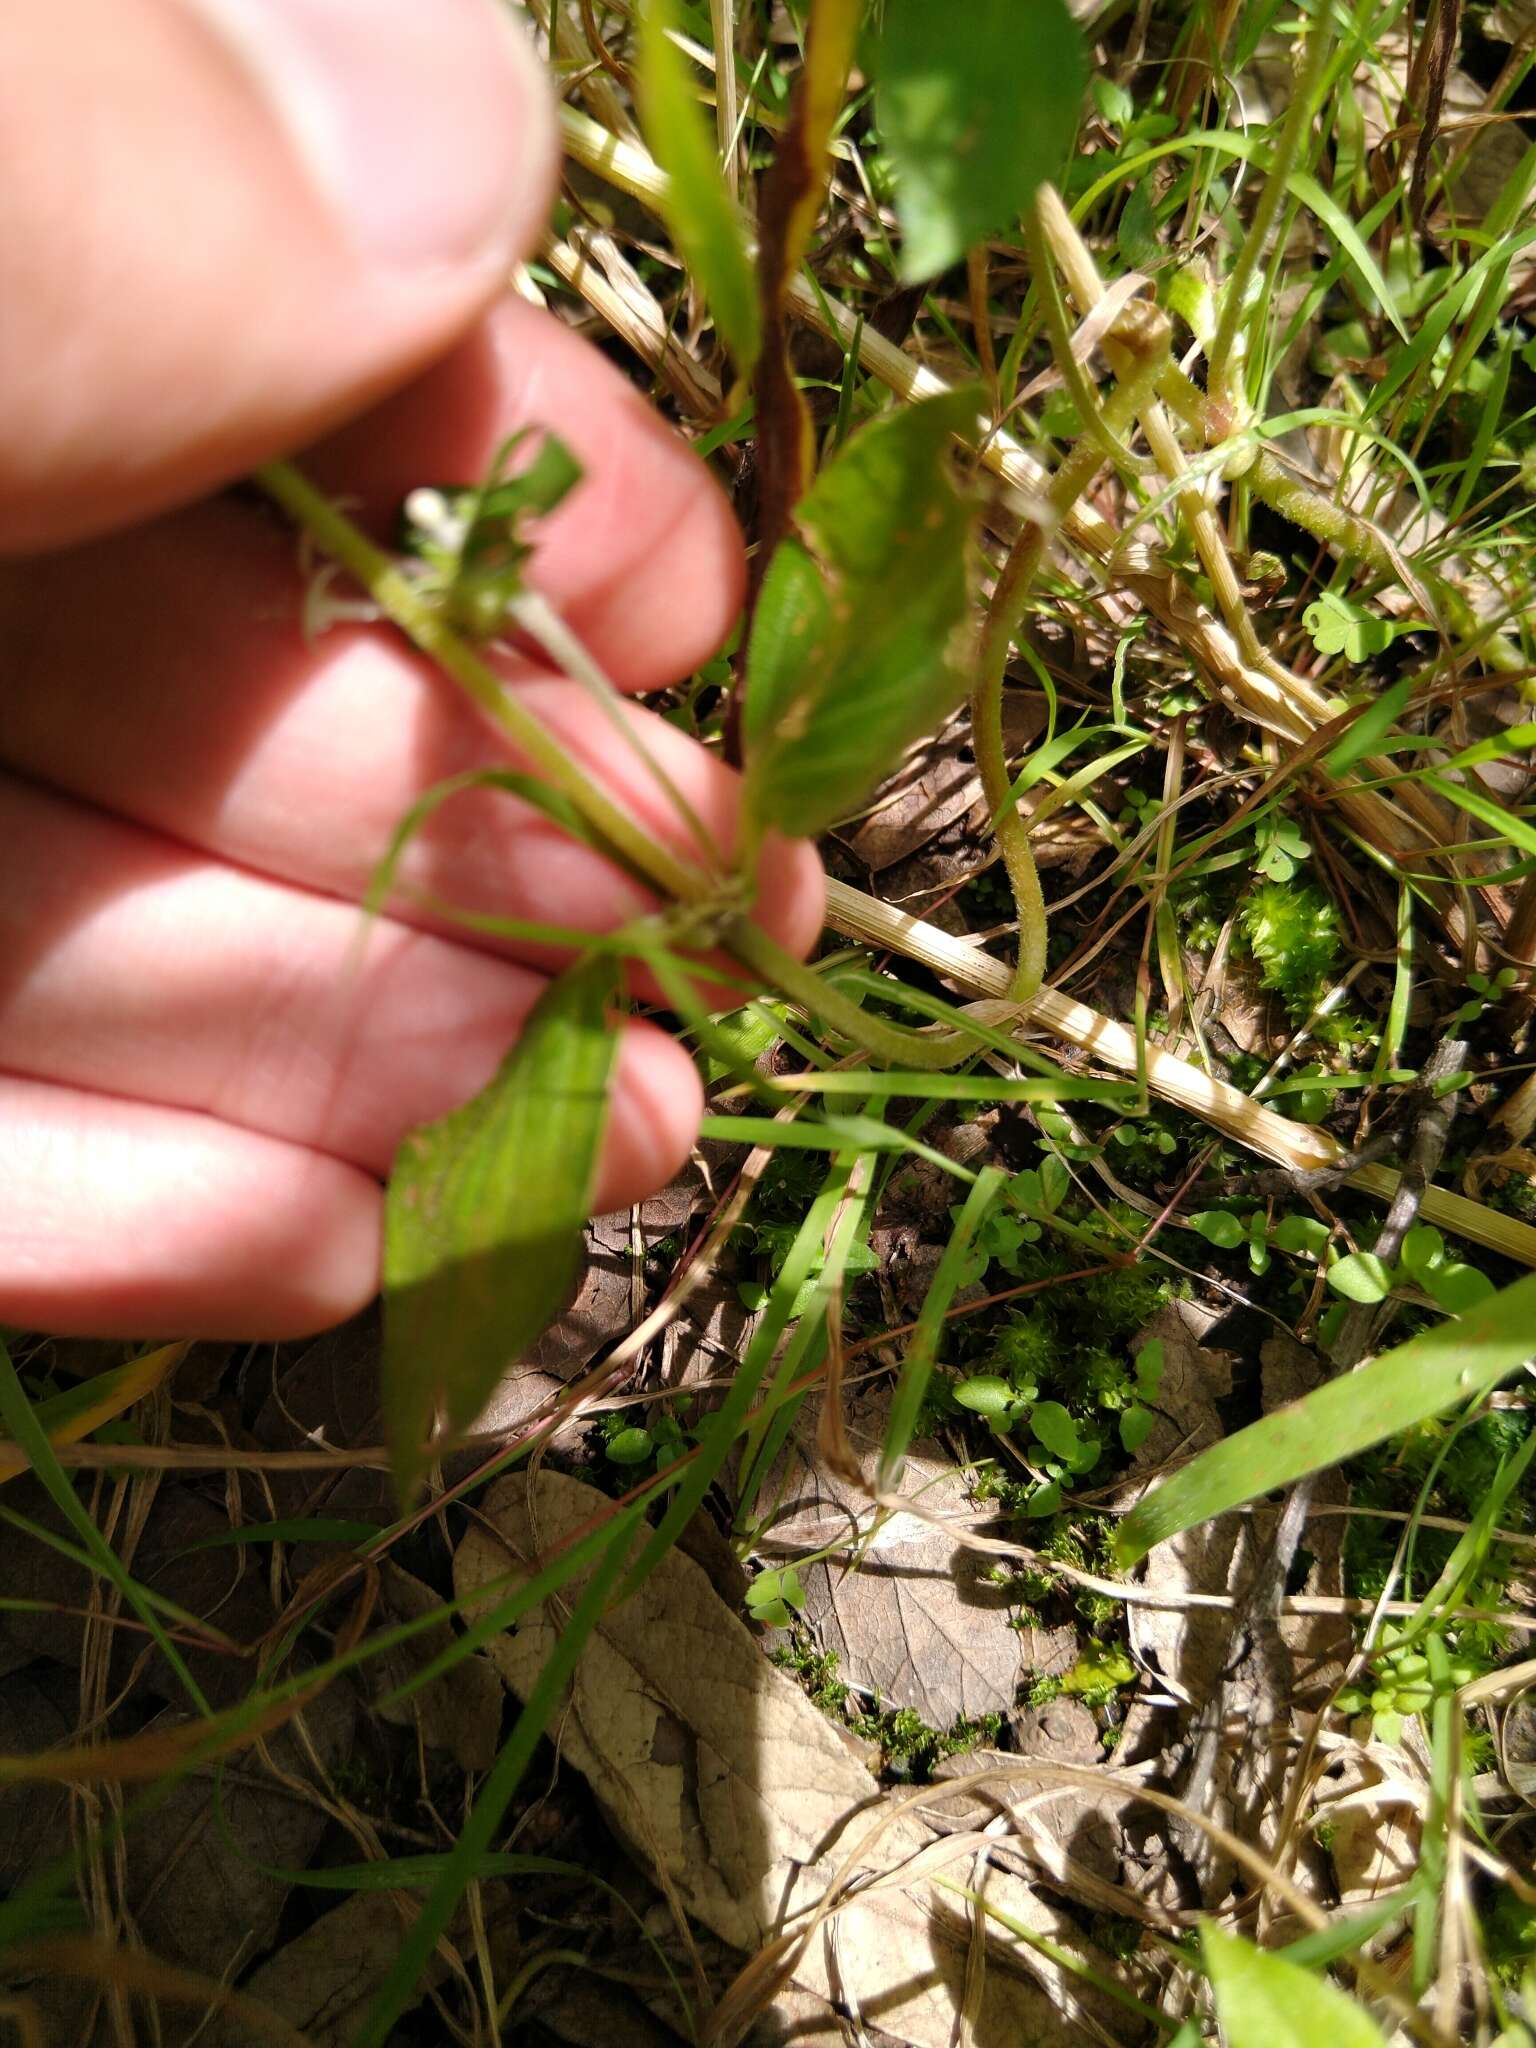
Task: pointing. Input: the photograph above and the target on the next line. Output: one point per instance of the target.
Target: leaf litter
(745, 1801)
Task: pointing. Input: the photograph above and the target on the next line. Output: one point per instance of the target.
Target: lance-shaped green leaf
(976, 106)
(1264, 2001)
(855, 642)
(1440, 1367)
(483, 1221)
(699, 210)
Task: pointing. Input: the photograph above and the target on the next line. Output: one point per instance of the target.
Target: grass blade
(1457, 1360)
(698, 207)
(31, 1440)
(917, 1366)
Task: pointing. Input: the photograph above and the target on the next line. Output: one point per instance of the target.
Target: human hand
(226, 227)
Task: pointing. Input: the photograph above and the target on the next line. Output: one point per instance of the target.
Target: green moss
(1510, 1933)
(1292, 931)
(910, 1749)
(816, 1671)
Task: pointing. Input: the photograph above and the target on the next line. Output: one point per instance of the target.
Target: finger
(227, 224)
(165, 675)
(643, 560)
(133, 967)
(118, 1217)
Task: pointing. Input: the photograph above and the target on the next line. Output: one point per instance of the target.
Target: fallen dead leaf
(195, 1866)
(918, 1620)
(459, 1712)
(324, 1980)
(1183, 1648)
(1372, 1804)
(931, 794)
(718, 1773)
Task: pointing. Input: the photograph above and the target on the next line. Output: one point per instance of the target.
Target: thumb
(227, 224)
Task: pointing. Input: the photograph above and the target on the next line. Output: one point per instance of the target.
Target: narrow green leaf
(853, 651)
(1433, 1371)
(483, 1221)
(1372, 726)
(20, 1423)
(975, 108)
(1264, 2001)
(1349, 238)
(1510, 825)
(696, 204)
(917, 1366)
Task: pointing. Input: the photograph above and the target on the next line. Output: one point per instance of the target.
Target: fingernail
(425, 124)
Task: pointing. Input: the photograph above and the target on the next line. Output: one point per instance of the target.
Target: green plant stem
(1288, 147)
(397, 596)
(894, 1045)
(1293, 497)
(1146, 339)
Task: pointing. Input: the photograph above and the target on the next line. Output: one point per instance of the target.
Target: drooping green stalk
(1145, 332)
(1288, 147)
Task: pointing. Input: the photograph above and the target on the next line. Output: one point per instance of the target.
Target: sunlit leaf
(1135, 1428)
(1361, 1277)
(853, 650)
(1440, 1367)
(698, 208)
(986, 1395)
(1456, 1287)
(484, 1216)
(976, 107)
(1300, 1234)
(1372, 726)
(1263, 2001)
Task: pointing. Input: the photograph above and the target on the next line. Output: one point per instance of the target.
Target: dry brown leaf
(720, 1775)
(324, 1980)
(1075, 1834)
(194, 1882)
(930, 796)
(1184, 1648)
(459, 1712)
(918, 1621)
(1372, 1804)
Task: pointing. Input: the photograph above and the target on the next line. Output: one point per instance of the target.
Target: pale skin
(229, 231)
